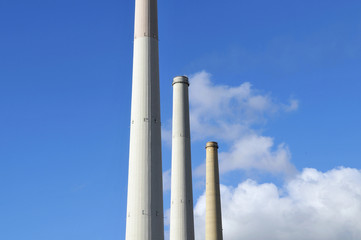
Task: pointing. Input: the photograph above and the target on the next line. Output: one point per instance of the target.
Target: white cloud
(167, 135)
(167, 180)
(167, 217)
(166, 224)
(257, 152)
(226, 113)
(313, 206)
(254, 152)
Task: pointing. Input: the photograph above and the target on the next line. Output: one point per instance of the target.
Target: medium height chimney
(213, 197)
(181, 211)
(145, 190)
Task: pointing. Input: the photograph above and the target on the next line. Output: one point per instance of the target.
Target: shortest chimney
(213, 197)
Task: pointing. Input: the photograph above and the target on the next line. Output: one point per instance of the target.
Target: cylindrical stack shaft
(213, 197)
(145, 190)
(181, 212)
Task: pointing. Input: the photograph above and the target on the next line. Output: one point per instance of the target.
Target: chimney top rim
(180, 79)
(212, 144)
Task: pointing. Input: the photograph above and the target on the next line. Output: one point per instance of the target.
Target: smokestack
(145, 193)
(181, 211)
(213, 200)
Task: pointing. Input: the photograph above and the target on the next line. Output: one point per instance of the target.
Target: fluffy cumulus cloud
(254, 152)
(227, 112)
(313, 205)
(257, 152)
(230, 114)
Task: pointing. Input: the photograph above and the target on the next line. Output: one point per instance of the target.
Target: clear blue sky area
(65, 89)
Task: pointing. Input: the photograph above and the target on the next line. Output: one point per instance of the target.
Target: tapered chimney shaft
(145, 193)
(181, 211)
(213, 200)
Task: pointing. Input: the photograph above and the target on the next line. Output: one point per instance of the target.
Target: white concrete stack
(145, 190)
(213, 199)
(181, 211)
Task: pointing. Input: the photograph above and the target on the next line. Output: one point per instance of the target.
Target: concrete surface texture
(213, 200)
(145, 189)
(181, 211)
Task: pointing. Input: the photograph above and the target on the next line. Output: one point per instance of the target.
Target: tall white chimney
(181, 211)
(145, 190)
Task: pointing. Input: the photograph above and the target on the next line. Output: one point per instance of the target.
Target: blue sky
(65, 84)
